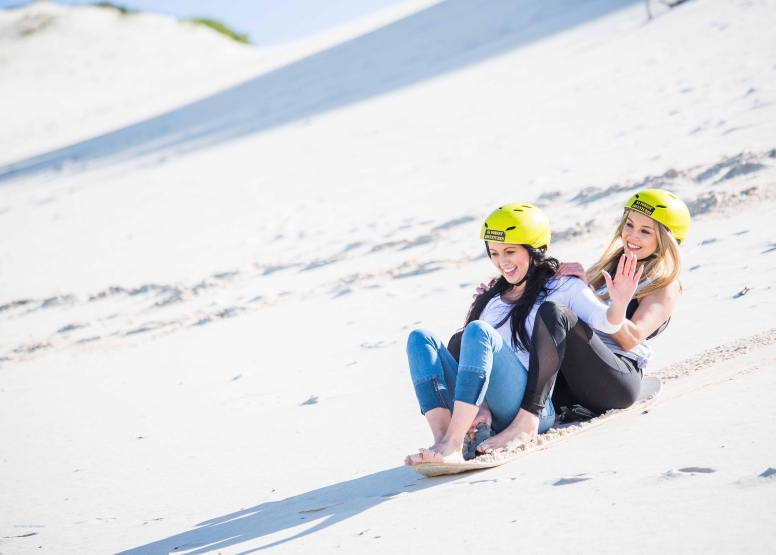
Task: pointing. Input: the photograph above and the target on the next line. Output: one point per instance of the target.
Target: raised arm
(622, 287)
(598, 315)
(652, 312)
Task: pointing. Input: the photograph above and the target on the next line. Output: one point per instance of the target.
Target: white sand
(168, 305)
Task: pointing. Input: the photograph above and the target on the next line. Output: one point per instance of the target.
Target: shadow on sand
(325, 507)
(439, 39)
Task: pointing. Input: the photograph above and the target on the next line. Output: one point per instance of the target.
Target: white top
(570, 291)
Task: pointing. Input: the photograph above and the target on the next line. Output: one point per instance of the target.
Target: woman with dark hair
(489, 378)
(599, 369)
(596, 368)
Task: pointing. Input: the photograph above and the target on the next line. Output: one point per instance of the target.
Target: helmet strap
(525, 277)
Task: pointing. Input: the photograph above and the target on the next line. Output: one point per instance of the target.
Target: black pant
(587, 372)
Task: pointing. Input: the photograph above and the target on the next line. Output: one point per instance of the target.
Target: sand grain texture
(199, 237)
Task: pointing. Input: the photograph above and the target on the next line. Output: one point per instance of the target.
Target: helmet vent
(526, 206)
(661, 206)
(516, 210)
(672, 196)
(486, 224)
(510, 228)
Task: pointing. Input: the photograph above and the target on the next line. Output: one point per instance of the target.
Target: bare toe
(431, 456)
(416, 458)
(485, 447)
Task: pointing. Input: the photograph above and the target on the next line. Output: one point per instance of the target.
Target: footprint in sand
(572, 480)
(493, 481)
(376, 344)
(768, 473)
(584, 477)
(696, 470)
(688, 471)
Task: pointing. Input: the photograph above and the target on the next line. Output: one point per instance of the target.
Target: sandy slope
(155, 296)
(67, 74)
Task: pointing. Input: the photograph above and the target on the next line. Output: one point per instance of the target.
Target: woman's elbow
(627, 343)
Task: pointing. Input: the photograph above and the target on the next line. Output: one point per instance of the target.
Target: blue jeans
(488, 369)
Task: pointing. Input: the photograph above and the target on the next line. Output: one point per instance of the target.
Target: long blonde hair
(661, 269)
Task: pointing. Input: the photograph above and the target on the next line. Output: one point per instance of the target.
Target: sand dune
(200, 237)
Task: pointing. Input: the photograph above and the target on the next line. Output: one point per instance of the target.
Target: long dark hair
(542, 269)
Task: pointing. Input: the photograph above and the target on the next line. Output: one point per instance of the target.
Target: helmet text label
(495, 235)
(643, 207)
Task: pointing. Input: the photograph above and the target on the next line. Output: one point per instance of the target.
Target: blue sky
(265, 21)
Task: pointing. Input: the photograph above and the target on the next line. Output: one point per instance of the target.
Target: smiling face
(639, 236)
(511, 260)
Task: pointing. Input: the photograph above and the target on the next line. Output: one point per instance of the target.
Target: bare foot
(442, 452)
(410, 460)
(523, 429)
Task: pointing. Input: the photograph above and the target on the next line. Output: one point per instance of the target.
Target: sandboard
(650, 389)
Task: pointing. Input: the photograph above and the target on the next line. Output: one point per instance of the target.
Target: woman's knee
(420, 337)
(555, 314)
(552, 310)
(479, 327)
(480, 332)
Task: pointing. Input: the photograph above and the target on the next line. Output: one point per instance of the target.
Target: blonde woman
(589, 367)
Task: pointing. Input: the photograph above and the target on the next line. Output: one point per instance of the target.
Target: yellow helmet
(518, 223)
(664, 207)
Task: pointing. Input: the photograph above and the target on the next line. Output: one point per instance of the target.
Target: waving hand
(623, 286)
